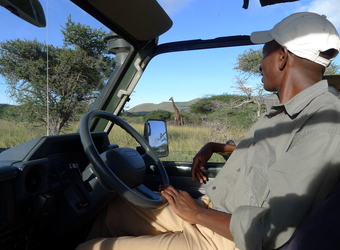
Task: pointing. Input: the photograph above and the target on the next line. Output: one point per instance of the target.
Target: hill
(148, 107)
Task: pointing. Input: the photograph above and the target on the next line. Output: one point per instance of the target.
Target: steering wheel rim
(140, 195)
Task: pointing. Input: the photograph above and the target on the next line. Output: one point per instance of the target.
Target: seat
(321, 228)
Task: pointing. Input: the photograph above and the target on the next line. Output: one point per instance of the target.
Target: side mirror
(156, 134)
(29, 10)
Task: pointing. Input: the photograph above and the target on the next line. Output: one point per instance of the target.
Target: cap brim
(261, 37)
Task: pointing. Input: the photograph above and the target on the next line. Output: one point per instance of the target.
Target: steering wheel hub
(127, 164)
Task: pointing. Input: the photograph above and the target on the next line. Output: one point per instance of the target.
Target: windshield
(49, 77)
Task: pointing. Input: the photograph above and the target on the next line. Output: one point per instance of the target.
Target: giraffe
(177, 115)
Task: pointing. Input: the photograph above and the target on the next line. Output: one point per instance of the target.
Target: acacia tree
(72, 73)
(248, 66)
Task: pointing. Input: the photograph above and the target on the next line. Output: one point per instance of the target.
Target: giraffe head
(171, 99)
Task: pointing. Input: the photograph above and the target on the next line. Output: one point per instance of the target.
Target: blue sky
(192, 19)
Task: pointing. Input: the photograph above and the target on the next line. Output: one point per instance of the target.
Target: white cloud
(174, 6)
(330, 8)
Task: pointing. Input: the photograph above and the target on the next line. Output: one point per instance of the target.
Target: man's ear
(284, 54)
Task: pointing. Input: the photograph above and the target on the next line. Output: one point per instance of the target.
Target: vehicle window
(189, 78)
(49, 77)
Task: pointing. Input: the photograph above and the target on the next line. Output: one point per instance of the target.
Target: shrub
(159, 114)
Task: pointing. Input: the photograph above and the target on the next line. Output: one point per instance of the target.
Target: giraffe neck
(174, 106)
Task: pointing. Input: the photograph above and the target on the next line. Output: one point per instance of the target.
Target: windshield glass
(49, 77)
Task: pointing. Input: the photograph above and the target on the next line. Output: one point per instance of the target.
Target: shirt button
(213, 188)
(238, 170)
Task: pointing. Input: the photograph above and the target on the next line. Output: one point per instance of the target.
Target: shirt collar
(295, 105)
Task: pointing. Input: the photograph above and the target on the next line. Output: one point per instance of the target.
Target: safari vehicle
(52, 187)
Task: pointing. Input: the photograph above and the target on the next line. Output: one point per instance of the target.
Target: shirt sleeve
(298, 181)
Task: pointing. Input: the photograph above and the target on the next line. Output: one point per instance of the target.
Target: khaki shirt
(285, 166)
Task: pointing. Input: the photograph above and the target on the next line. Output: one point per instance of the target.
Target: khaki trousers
(126, 226)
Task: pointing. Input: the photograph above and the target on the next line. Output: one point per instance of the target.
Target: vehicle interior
(53, 186)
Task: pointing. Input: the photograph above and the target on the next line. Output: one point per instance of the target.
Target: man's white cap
(305, 34)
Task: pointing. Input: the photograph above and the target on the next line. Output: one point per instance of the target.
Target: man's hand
(182, 203)
(199, 163)
(202, 157)
(189, 210)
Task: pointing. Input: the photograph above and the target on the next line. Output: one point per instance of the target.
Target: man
(285, 166)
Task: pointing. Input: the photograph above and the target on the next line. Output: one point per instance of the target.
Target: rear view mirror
(29, 10)
(155, 133)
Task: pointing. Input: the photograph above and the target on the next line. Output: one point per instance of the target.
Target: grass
(13, 133)
(184, 141)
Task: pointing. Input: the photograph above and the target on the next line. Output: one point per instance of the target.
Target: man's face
(269, 66)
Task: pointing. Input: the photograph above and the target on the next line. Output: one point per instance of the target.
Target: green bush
(159, 114)
(225, 110)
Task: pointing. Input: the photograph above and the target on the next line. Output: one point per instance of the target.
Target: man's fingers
(170, 190)
(202, 178)
(170, 194)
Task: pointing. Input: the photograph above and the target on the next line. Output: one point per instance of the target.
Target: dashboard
(42, 188)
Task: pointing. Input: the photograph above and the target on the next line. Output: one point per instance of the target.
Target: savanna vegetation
(184, 142)
(210, 119)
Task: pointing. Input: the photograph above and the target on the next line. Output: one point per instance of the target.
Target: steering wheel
(110, 164)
